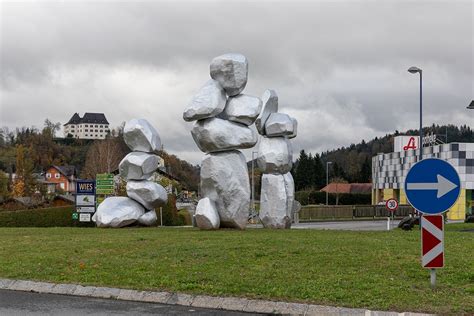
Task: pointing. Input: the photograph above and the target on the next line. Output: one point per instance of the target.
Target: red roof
(335, 187)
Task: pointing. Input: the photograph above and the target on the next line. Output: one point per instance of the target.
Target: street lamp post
(327, 181)
(415, 70)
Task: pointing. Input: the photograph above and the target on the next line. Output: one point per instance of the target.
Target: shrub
(46, 217)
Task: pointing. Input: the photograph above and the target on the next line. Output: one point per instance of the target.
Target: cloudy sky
(339, 67)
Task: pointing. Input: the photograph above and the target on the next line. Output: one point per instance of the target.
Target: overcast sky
(339, 67)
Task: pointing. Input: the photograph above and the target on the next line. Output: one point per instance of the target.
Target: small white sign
(84, 217)
(85, 209)
(85, 200)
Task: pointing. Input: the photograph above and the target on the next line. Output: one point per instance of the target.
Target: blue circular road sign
(432, 186)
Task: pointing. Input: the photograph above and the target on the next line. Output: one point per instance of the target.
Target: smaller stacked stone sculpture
(138, 166)
(223, 116)
(274, 159)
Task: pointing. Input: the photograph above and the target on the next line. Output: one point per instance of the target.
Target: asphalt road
(17, 303)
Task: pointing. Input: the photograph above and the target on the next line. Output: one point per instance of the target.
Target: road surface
(18, 303)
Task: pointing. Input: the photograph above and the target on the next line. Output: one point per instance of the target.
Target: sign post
(85, 200)
(392, 206)
(432, 186)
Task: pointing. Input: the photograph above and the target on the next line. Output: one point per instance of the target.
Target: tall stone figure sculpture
(136, 168)
(274, 159)
(223, 116)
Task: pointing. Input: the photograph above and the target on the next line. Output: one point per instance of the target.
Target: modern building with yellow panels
(389, 172)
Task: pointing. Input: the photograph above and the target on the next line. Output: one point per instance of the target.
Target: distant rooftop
(471, 106)
(95, 118)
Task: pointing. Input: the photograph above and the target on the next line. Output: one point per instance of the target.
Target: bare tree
(103, 156)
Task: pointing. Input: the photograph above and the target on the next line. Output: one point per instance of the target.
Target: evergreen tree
(365, 171)
(319, 172)
(302, 175)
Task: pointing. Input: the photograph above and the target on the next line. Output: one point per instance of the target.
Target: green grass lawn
(376, 270)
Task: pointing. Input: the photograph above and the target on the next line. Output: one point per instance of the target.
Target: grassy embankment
(376, 270)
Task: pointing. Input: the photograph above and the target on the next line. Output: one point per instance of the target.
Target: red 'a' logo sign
(411, 144)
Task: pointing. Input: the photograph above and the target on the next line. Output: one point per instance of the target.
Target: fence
(325, 212)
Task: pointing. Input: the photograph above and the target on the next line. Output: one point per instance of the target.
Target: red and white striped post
(432, 244)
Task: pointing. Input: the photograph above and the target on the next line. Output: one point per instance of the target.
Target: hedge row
(62, 217)
(318, 197)
(46, 217)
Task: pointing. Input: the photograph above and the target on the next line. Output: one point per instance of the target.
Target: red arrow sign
(432, 240)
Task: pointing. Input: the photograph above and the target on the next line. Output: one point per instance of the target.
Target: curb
(202, 301)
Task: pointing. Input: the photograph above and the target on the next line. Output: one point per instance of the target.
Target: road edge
(202, 301)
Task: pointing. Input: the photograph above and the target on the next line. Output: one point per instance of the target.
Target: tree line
(354, 163)
(27, 152)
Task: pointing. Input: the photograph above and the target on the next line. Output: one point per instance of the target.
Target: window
(61, 185)
(86, 130)
(48, 175)
(96, 131)
(57, 175)
(101, 130)
(86, 125)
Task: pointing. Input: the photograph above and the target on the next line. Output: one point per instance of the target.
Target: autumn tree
(24, 184)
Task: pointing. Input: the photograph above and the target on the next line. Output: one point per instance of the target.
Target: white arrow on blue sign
(432, 186)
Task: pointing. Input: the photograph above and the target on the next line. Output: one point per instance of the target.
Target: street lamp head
(471, 106)
(329, 162)
(414, 70)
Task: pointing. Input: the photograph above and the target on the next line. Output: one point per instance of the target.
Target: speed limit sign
(391, 205)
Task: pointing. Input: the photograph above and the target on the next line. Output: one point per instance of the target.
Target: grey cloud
(339, 65)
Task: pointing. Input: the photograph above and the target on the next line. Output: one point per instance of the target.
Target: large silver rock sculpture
(140, 135)
(274, 210)
(215, 134)
(206, 214)
(138, 165)
(208, 102)
(118, 211)
(148, 219)
(295, 128)
(269, 106)
(231, 71)
(290, 193)
(147, 193)
(279, 124)
(225, 181)
(274, 155)
(242, 109)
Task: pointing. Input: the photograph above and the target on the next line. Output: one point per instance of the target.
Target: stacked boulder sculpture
(274, 159)
(223, 116)
(136, 168)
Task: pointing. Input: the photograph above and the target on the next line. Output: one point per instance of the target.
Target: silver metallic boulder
(208, 102)
(118, 211)
(206, 214)
(148, 193)
(275, 155)
(140, 135)
(225, 181)
(215, 134)
(274, 211)
(278, 124)
(138, 166)
(295, 128)
(290, 193)
(148, 219)
(242, 109)
(231, 71)
(269, 106)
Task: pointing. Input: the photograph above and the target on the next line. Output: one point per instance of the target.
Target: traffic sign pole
(432, 187)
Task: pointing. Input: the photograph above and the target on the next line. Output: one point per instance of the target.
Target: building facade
(90, 126)
(60, 177)
(389, 172)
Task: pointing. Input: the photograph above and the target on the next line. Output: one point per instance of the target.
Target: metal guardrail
(325, 212)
